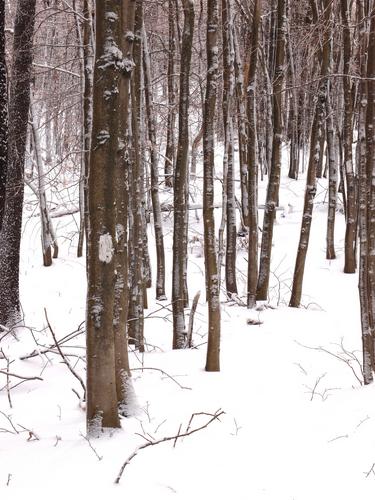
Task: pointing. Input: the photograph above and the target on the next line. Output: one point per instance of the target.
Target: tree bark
(227, 106)
(170, 151)
(154, 166)
(180, 183)
(212, 283)
(19, 102)
(3, 113)
(102, 395)
(252, 175)
(350, 233)
(274, 174)
(315, 144)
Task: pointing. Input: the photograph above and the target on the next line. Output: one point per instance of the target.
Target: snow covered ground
(298, 425)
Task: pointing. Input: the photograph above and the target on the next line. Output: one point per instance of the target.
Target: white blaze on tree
(105, 248)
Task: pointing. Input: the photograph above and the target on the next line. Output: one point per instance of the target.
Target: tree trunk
(180, 183)
(274, 174)
(19, 102)
(370, 172)
(102, 396)
(87, 62)
(158, 221)
(122, 166)
(252, 276)
(170, 147)
(315, 144)
(136, 232)
(3, 113)
(350, 233)
(47, 232)
(212, 284)
(227, 106)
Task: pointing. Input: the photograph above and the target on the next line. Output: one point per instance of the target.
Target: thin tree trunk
(123, 164)
(180, 187)
(158, 221)
(136, 243)
(3, 113)
(252, 276)
(48, 236)
(170, 151)
(212, 283)
(370, 172)
(242, 130)
(87, 72)
(350, 233)
(274, 174)
(227, 106)
(363, 283)
(315, 144)
(332, 179)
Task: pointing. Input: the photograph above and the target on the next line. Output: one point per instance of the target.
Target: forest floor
(298, 425)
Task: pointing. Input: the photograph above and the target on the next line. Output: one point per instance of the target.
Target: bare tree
(19, 102)
(180, 183)
(252, 174)
(274, 175)
(3, 113)
(212, 283)
(110, 64)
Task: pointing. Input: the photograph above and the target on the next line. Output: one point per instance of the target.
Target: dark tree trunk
(10, 236)
(227, 106)
(180, 183)
(252, 157)
(350, 234)
(212, 284)
(315, 144)
(87, 72)
(170, 151)
(154, 166)
(102, 396)
(3, 113)
(274, 175)
(136, 232)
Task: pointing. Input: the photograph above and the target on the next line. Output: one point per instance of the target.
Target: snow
(106, 249)
(297, 424)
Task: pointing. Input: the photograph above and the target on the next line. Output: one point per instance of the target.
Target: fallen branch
(214, 417)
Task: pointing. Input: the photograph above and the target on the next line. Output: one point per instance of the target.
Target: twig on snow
(64, 358)
(214, 417)
(164, 373)
(91, 446)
